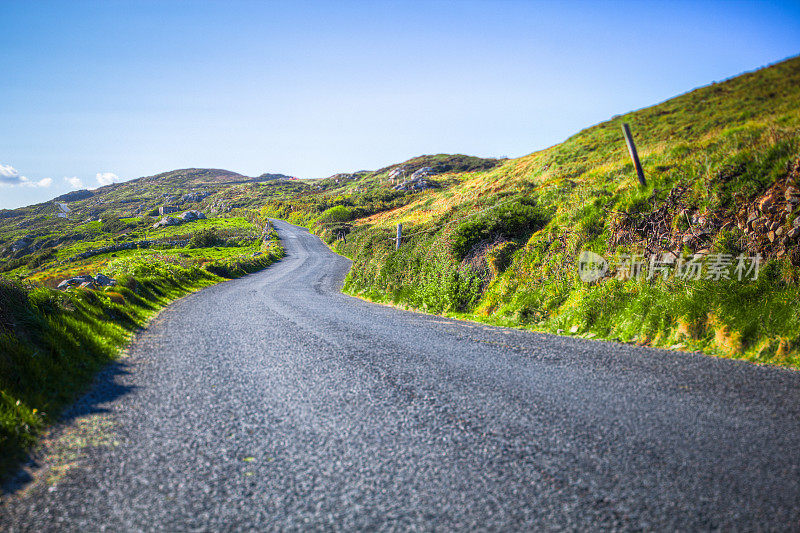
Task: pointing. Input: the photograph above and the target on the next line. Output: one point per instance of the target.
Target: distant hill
(214, 191)
(440, 163)
(74, 196)
(197, 177)
(267, 177)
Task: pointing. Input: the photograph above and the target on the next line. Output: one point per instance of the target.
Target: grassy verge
(757, 321)
(52, 343)
(485, 269)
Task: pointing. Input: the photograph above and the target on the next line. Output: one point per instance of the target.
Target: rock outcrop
(188, 216)
(768, 225)
(191, 216)
(87, 282)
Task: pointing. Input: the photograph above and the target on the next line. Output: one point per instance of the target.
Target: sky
(97, 92)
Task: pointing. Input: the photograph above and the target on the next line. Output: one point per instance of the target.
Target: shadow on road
(105, 389)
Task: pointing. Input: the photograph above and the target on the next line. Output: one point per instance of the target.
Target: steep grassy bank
(52, 343)
(723, 169)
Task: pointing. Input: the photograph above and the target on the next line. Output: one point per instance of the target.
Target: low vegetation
(53, 342)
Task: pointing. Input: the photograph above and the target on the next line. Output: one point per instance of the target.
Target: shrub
(206, 238)
(232, 268)
(13, 264)
(13, 299)
(111, 224)
(337, 213)
(512, 221)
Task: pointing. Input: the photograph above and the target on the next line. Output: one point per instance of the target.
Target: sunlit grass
(52, 343)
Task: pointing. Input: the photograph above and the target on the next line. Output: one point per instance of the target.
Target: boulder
(76, 281)
(424, 171)
(87, 285)
(190, 216)
(167, 221)
(767, 204)
(104, 281)
(416, 184)
(396, 173)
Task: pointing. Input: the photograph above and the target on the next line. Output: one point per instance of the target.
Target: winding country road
(275, 402)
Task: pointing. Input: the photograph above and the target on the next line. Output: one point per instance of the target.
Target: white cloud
(10, 176)
(106, 178)
(74, 182)
(44, 182)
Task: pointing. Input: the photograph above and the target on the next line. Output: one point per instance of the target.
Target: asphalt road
(275, 402)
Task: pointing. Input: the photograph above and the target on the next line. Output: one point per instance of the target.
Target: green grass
(237, 237)
(723, 145)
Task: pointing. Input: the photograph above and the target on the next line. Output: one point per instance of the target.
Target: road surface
(275, 402)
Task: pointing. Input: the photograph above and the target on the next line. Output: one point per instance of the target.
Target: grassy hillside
(52, 342)
(502, 244)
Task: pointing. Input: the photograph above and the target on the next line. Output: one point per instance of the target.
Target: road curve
(275, 402)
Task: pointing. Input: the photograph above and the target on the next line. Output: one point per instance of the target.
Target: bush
(337, 213)
(13, 299)
(512, 221)
(206, 238)
(13, 264)
(111, 224)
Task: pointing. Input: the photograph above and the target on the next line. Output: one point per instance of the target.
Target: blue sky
(97, 91)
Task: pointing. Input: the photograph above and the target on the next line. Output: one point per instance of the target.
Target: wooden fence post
(399, 236)
(634, 155)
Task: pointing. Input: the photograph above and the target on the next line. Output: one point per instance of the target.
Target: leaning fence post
(399, 236)
(634, 156)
